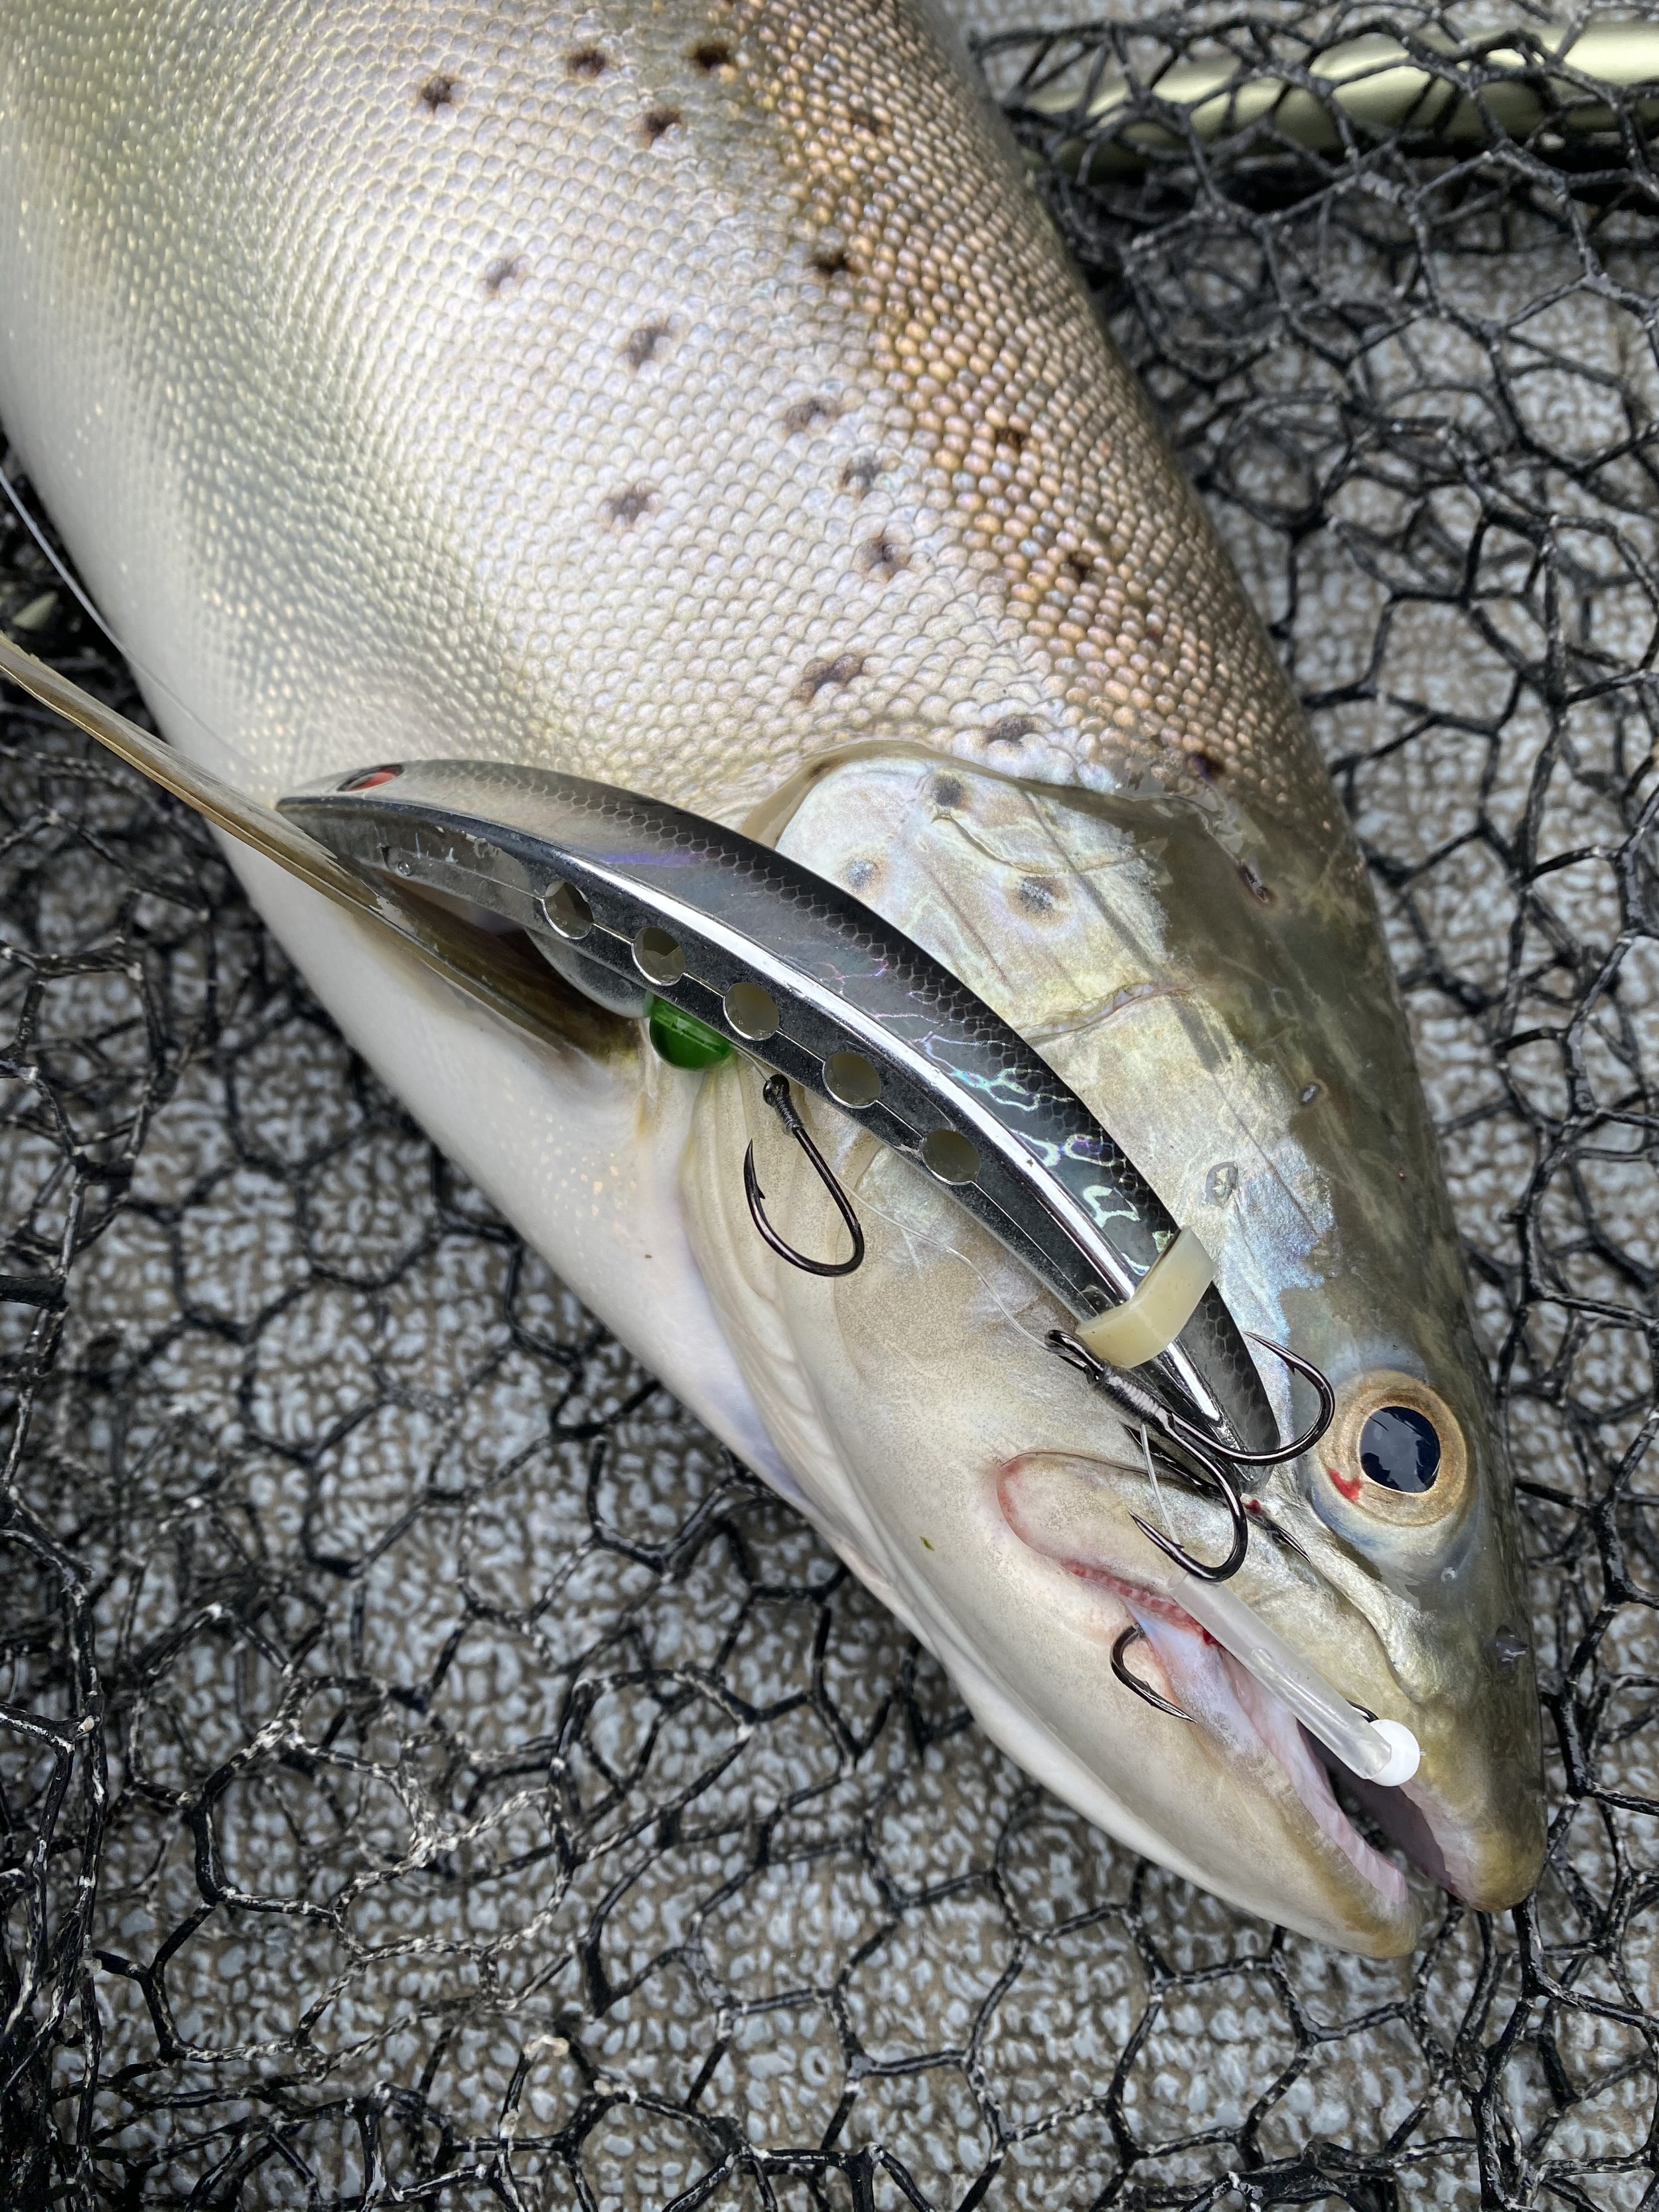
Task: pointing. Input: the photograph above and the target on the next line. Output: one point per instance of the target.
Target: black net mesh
(433, 1772)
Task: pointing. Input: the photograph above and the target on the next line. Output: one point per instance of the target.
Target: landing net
(431, 1771)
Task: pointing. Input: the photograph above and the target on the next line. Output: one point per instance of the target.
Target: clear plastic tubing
(1384, 1751)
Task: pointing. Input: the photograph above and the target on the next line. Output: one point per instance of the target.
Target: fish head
(1225, 1008)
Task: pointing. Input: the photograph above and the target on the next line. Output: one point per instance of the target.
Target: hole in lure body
(658, 956)
(752, 1011)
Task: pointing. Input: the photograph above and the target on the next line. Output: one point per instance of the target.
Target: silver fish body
(695, 398)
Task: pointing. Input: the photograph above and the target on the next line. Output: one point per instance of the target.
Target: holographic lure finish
(849, 1008)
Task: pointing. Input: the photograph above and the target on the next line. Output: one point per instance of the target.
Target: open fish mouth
(1262, 1743)
(1217, 1692)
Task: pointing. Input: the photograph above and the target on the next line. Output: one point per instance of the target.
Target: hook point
(1134, 1634)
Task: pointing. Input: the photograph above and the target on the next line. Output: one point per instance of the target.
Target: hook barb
(1134, 1634)
(776, 1095)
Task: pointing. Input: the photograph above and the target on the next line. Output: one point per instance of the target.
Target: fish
(697, 399)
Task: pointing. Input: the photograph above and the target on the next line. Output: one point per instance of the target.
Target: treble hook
(1134, 1398)
(1134, 1634)
(776, 1095)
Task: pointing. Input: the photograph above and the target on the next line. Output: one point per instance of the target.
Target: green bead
(683, 1040)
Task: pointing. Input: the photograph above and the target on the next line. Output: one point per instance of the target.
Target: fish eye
(1395, 1451)
(1400, 1448)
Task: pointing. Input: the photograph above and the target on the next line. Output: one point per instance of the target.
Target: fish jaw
(1468, 1818)
(1446, 1610)
(1267, 1786)
(901, 1395)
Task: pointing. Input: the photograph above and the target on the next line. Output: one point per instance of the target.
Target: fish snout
(1444, 1589)
(1470, 1818)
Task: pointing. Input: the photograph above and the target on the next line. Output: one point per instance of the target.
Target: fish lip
(1299, 1761)
(1307, 1774)
(1408, 1822)
(1414, 1820)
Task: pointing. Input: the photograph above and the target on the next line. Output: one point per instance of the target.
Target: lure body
(927, 1067)
(696, 398)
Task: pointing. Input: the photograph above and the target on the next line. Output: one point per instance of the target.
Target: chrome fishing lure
(628, 897)
(644, 906)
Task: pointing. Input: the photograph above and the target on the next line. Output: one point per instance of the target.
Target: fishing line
(1152, 1477)
(59, 566)
(83, 599)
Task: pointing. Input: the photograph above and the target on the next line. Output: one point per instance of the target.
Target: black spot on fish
(858, 475)
(865, 118)
(830, 261)
(1080, 566)
(626, 507)
(840, 672)
(947, 790)
(806, 413)
(438, 92)
(645, 343)
(711, 56)
(657, 123)
(1012, 436)
(883, 557)
(503, 272)
(1206, 766)
(1012, 730)
(1036, 895)
(1221, 1182)
(587, 61)
(1253, 884)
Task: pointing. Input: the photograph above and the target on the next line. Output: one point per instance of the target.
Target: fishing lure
(725, 945)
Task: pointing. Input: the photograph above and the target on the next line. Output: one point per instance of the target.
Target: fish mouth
(1262, 1744)
(1214, 1689)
